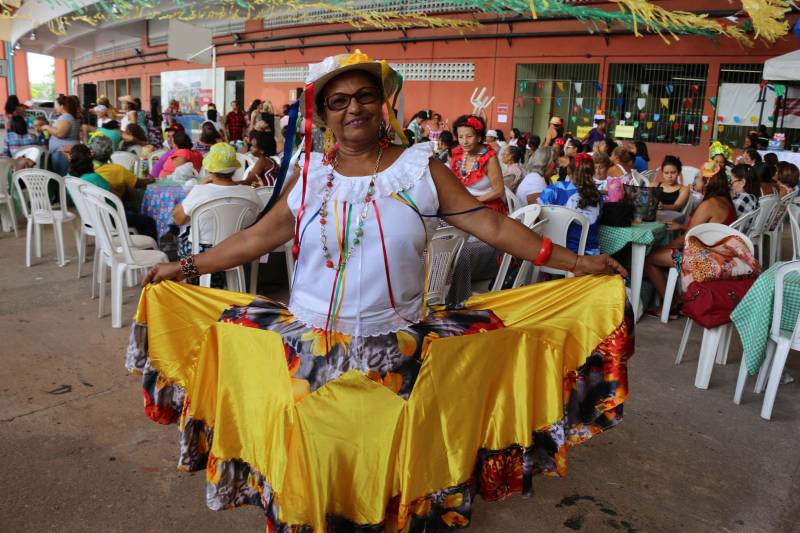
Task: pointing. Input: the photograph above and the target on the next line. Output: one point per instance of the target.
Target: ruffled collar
(400, 176)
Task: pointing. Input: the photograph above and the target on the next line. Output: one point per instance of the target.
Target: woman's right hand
(163, 272)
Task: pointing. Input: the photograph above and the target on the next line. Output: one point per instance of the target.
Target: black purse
(618, 214)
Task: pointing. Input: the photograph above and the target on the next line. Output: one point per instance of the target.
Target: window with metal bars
(663, 102)
(569, 91)
(409, 71)
(734, 131)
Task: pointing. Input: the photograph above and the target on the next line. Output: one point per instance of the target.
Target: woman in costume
(475, 163)
(308, 410)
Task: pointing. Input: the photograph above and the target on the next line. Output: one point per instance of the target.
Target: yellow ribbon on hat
(355, 58)
(389, 111)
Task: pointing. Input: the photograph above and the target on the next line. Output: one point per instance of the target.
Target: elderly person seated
(122, 182)
(132, 136)
(220, 163)
(18, 137)
(182, 153)
(542, 169)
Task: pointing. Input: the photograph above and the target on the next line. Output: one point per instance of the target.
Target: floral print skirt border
(593, 397)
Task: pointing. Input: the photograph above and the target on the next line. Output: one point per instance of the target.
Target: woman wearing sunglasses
(358, 405)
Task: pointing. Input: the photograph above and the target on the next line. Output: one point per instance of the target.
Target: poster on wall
(738, 102)
(194, 88)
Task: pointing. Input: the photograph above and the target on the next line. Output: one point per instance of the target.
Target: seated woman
(642, 159)
(209, 136)
(475, 164)
(786, 178)
(746, 186)
(601, 165)
(81, 165)
(183, 153)
(265, 171)
(133, 135)
(717, 206)
(220, 163)
(17, 138)
(586, 201)
(621, 164)
(559, 192)
(536, 181)
(766, 177)
(672, 195)
(111, 130)
(512, 157)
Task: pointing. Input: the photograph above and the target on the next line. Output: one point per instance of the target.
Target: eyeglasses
(340, 101)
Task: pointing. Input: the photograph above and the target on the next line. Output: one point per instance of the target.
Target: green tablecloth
(753, 316)
(613, 239)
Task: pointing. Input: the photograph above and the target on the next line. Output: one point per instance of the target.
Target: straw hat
(128, 99)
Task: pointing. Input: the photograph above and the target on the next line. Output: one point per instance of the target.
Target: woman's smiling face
(352, 108)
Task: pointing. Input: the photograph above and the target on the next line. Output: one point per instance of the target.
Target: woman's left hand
(598, 264)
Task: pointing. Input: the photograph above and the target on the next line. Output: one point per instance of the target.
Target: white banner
(738, 104)
(792, 105)
(193, 88)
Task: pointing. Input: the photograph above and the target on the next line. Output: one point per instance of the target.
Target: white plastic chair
(794, 226)
(134, 149)
(774, 230)
(153, 157)
(241, 172)
(557, 220)
(716, 341)
(6, 199)
(265, 193)
(443, 252)
(512, 201)
(116, 253)
(745, 222)
(38, 211)
(226, 216)
(766, 205)
(650, 175)
(34, 153)
(128, 160)
(74, 187)
(689, 174)
(778, 346)
(526, 215)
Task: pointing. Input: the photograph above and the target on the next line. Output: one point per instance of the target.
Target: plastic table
(159, 201)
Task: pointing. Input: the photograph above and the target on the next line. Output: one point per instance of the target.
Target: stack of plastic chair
(716, 341)
(443, 252)
(778, 346)
(794, 226)
(745, 222)
(774, 230)
(225, 216)
(116, 254)
(36, 206)
(512, 201)
(6, 200)
(766, 206)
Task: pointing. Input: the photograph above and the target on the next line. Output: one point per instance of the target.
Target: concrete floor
(88, 459)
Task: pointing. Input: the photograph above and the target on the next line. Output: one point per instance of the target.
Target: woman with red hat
(475, 163)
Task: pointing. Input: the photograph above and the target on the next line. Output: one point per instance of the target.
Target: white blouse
(366, 309)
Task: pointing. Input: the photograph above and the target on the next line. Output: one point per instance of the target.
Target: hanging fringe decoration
(768, 17)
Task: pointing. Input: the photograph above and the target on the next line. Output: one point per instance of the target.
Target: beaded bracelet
(544, 252)
(188, 268)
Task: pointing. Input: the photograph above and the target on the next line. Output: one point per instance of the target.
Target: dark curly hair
(583, 179)
(461, 122)
(672, 161)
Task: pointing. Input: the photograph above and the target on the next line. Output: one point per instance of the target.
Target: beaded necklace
(345, 255)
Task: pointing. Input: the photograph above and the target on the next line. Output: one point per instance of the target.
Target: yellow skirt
(397, 432)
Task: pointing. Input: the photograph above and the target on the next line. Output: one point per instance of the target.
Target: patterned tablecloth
(753, 316)
(613, 239)
(159, 201)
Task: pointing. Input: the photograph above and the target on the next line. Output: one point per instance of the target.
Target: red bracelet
(544, 252)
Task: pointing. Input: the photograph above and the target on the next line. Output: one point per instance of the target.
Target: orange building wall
(495, 60)
(62, 83)
(3, 81)
(23, 86)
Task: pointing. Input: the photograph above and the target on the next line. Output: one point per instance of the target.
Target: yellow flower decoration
(356, 57)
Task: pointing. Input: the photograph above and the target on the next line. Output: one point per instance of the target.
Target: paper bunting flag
(558, 101)
(705, 127)
(523, 86)
(579, 101)
(575, 109)
(694, 88)
(627, 114)
(669, 88)
(649, 125)
(578, 86)
(537, 100)
(779, 89)
(704, 118)
(620, 87)
(560, 85)
(573, 118)
(713, 101)
(763, 84)
(641, 102)
(587, 110)
(691, 127)
(642, 116)
(770, 118)
(644, 88)
(656, 117)
(721, 128)
(720, 119)
(585, 119)
(753, 119)
(541, 85)
(635, 123)
(598, 88)
(620, 101)
(676, 126)
(664, 102)
(672, 118)
(614, 114)
(688, 102)
(736, 119)
(520, 101)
